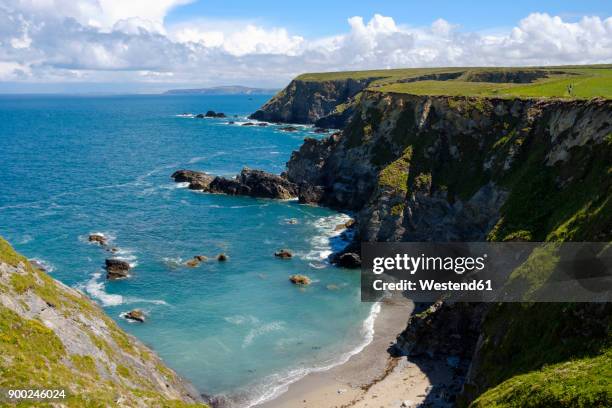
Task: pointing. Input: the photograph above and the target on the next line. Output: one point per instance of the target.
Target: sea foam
(96, 288)
(277, 384)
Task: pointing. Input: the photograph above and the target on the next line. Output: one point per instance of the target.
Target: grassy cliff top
(585, 81)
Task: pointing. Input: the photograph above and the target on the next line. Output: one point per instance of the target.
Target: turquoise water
(70, 166)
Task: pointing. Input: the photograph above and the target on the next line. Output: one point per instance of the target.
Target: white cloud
(238, 38)
(123, 41)
(21, 42)
(103, 14)
(10, 71)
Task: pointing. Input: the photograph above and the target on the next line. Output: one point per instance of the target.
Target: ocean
(74, 165)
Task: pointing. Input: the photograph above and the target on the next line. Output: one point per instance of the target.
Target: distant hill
(223, 90)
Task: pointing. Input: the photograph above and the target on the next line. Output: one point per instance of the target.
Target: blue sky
(153, 45)
(327, 17)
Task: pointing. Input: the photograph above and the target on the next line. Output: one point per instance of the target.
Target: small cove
(71, 166)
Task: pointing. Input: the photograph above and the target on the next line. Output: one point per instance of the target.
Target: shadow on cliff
(440, 339)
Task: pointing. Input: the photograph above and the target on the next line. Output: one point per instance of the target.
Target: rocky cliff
(439, 168)
(454, 168)
(327, 103)
(52, 336)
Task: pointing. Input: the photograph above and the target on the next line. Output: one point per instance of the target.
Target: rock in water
(300, 279)
(136, 315)
(213, 114)
(97, 238)
(195, 261)
(117, 268)
(348, 260)
(222, 257)
(192, 263)
(182, 176)
(254, 183)
(349, 224)
(289, 129)
(283, 253)
(38, 265)
(197, 180)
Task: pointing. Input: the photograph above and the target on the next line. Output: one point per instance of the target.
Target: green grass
(450, 88)
(395, 175)
(581, 211)
(587, 84)
(33, 356)
(587, 81)
(579, 383)
(567, 364)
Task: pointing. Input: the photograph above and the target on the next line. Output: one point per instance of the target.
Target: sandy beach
(369, 379)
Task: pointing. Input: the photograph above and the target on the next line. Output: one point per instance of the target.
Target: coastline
(370, 376)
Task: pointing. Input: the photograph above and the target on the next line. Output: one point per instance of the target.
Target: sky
(116, 46)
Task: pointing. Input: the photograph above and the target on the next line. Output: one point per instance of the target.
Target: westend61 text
(430, 284)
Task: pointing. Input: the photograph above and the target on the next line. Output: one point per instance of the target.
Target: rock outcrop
(197, 180)
(196, 261)
(136, 315)
(351, 260)
(288, 129)
(211, 114)
(192, 263)
(254, 183)
(53, 336)
(283, 254)
(98, 239)
(304, 101)
(38, 265)
(117, 268)
(300, 280)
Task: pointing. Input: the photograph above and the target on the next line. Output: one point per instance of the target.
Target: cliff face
(437, 168)
(313, 102)
(52, 336)
(452, 168)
